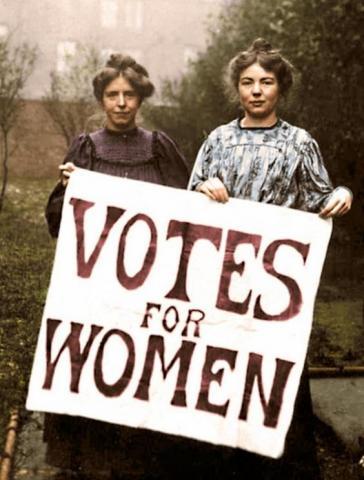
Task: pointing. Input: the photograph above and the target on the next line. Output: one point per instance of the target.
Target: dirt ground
(335, 462)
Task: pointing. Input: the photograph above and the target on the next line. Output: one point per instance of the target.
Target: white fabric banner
(171, 312)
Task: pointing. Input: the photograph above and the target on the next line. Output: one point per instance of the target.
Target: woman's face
(259, 94)
(121, 103)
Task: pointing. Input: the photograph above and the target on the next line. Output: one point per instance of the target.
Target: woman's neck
(256, 122)
(116, 131)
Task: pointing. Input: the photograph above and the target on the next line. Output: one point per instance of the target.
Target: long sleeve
(79, 153)
(53, 211)
(171, 161)
(199, 172)
(279, 165)
(313, 181)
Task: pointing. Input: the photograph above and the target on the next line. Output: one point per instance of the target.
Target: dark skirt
(94, 447)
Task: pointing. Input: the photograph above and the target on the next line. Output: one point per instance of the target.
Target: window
(105, 54)
(189, 55)
(109, 13)
(134, 14)
(4, 30)
(65, 50)
(136, 54)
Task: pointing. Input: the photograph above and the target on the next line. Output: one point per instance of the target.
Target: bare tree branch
(16, 65)
(70, 102)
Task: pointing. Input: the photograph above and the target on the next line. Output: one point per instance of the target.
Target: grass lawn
(338, 336)
(26, 255)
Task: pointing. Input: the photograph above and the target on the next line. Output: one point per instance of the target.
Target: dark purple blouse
(138, 154)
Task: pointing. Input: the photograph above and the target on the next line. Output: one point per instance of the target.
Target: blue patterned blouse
(281, 165)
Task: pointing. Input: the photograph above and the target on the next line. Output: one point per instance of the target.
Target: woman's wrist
(342, 187)
(198, 186)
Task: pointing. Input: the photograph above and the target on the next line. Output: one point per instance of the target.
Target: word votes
(190, 233)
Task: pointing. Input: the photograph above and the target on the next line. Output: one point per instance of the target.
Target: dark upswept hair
(261, 52)
(124, 65)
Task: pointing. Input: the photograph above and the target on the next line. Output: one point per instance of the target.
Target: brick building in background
(162, 34)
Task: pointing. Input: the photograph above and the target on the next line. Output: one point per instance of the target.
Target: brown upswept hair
(125, 66)
(261, 52)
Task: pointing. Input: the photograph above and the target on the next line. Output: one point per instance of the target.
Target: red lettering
(115, 389)
(184, 355)
(72, 342)
(295, 293)
(148, 315)
(271, 408)
(190, 233)
(85, 267)
(212, 355)
(196, 321)
(166, 322)
(139, 278)
(171, 319)
(234, 239)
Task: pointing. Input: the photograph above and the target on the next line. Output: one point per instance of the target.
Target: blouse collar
(277, 124)
(125, 134)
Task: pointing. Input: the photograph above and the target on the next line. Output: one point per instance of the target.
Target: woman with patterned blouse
(259, 156)
(262, 158)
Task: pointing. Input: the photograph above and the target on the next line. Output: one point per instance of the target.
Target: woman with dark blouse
(121, 148)
(83, 447)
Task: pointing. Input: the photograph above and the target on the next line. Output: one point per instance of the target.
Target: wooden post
(9, 450)
(344, 371)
